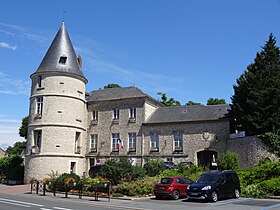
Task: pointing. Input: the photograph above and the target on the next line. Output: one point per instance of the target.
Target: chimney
(79, 59)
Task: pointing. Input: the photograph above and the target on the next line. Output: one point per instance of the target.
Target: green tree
(111, 85)
(215, 101)
(16, 149)
(11, 167)
(24, 127)
(256, 99)
(154, 167)
(191, 103)
(272, 140)
(116, 170)
(228, 161)
(168, 102)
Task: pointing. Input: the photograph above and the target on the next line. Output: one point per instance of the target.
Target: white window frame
(154, 140)
(39, 105)
(132, 113)
(116, 114)
(93, 142)
(132, 141)
(177, 140)
(115, 139)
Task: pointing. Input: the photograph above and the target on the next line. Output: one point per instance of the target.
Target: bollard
(96, 194)
(37, 187)
(44, 188)
(109, 191)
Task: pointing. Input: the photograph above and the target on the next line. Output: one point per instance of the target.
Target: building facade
(70, 130)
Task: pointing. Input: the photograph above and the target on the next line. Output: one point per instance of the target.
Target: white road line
(220, 203)
(16, 204)
(32, 204)
(61, 208)
(272, 207)
(45, 209)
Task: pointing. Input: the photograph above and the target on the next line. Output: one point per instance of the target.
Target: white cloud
(12, 86)
(9, 133)
(8, 46)
(23, 33)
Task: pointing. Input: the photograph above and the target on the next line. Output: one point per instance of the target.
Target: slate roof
(188, 113)
(61, 47)
(116, 94)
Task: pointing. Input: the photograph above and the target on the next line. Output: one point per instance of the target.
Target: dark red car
(172, 186)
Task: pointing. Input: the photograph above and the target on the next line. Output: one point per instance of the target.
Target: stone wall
(197, 136)
(249, 149)
(105, 126)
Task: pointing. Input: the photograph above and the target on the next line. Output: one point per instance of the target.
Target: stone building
(2, 153)
(70, 130)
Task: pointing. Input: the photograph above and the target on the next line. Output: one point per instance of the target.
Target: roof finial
(64, 11)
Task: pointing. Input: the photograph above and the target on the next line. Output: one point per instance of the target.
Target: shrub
(65, 182)
(272, 140)
(153, 167)
(137, 187)
(117, 170)
(170, 172)
(271, 187)
(228, 161)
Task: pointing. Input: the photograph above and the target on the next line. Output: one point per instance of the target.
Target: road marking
(16, 204)
(62, 208)
(32, 204)
(272, 207)
(220, 203)
(45, 209)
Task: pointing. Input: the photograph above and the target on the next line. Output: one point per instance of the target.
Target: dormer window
(62, 60)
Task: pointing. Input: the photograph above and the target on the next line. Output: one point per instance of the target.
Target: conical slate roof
(61, 56)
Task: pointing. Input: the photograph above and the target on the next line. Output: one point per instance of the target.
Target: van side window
(229, 178)
(222, 179)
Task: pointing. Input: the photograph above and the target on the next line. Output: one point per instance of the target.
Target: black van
(215, 185)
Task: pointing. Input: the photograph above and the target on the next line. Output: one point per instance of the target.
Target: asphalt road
(37, 202)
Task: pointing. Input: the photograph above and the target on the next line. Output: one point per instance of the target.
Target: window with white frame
(93, 142)
(115, 140)
(37, 140)
(116, 114)
(178, 141)
(39, 105)
(77, 143)
(154, 141)
(94, 115)
(132, 141)
(132, 113)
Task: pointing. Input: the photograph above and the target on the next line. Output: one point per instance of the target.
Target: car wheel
(176, 194)
(236, 193)
(214, 196)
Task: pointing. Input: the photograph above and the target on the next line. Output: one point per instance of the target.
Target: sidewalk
(15, 189)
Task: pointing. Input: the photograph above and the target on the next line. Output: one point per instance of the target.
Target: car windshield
(207, 178)
(166, 181)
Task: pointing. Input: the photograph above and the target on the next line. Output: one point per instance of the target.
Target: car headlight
(188, 187)
(206, 188)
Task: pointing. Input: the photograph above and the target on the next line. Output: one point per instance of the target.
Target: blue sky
(188, 49)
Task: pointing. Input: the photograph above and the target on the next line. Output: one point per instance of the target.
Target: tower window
(62, 60)
(39, 105)
(39, 81)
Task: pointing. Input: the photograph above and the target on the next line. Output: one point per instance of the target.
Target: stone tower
(57, 115)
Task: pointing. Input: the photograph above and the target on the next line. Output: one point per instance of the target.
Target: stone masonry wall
(106, 126)
(196, 137)
(249, 149)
